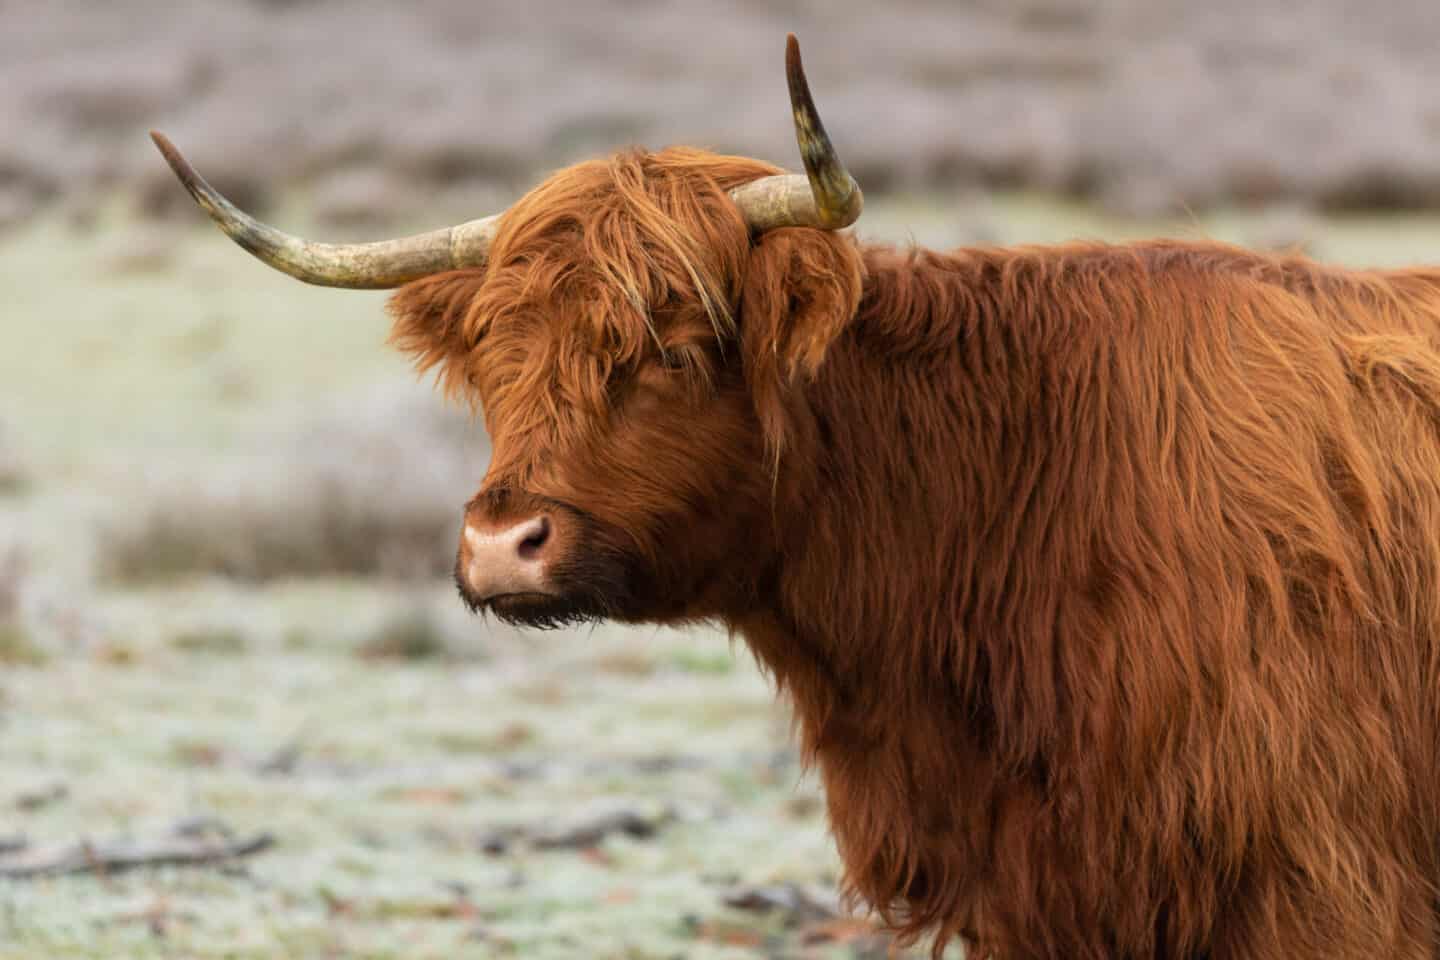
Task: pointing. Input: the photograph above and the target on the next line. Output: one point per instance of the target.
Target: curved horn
(358, 266)
(827, 196)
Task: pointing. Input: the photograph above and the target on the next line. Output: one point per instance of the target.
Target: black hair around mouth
(543, 611)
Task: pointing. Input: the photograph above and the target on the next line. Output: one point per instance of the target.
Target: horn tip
(181, 167)
(169, 152)
(163, 144)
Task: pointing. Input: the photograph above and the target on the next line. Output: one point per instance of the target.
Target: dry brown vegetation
(17, 646)
(14, 476)
(1144, 104)
(370, 489)
(412, 634)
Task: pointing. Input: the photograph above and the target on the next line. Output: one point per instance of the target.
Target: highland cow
(1105, 580)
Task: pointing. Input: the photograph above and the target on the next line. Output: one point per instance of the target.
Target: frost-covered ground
(195, 454)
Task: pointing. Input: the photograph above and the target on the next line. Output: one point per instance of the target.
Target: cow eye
(673, 360)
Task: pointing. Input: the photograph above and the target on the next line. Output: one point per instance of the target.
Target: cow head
(629, 329)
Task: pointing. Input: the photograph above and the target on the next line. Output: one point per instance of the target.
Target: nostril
(534, 541)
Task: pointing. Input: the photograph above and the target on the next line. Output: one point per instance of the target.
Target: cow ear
(802, 288)
(431, 320)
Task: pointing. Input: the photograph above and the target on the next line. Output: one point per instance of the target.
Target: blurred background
(228, 512)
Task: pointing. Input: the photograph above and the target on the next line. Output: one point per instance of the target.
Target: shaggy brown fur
(1105, 580)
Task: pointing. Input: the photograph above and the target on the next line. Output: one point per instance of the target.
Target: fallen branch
(799, 904)
(587, 833)
(579, 834)
(29, 801)
(115, 858)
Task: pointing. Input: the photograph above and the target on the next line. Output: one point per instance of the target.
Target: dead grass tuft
(17, 646)
(221, 641)
(373, 489)
(14, 476)
(412, 635)
(18, 649)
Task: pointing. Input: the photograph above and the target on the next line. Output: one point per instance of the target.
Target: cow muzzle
(506, 560)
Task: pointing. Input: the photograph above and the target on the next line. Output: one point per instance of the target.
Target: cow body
(1105, 581)
(1110, 600)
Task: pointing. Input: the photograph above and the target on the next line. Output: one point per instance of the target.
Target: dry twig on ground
(85, 857)
(581, 833)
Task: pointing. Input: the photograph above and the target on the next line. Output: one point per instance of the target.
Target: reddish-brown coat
(1105, 580)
